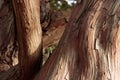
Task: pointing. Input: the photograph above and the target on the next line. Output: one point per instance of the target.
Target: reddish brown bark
(89, 48)
(29, 35)
(29, 32)
(8, 47)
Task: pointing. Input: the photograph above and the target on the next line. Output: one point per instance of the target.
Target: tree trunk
(29, 35)
(89, 47)
(27, 15)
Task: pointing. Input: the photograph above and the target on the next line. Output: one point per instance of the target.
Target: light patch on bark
(117, 56)
(62, 71)
(34, 42)
(97, 45)
(95, 16)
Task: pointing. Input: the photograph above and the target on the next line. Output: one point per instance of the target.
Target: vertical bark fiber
(8, 46)
(90, 46)
(7, 34)
(29, 34)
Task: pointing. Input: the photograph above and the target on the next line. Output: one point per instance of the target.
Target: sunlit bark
(90, 46)
(29, 32)
(29, 35)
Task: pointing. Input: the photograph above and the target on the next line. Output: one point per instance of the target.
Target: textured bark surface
(89, 48)
(29, 35)
(27, 13)
(8, 46)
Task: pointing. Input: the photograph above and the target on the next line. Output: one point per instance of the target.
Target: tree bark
(29, 34)
(8, 44)
(89, 48)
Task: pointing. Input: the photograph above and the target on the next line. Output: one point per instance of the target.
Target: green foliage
(65, 5)
(60, 5)
(54, 4)
(50, 49)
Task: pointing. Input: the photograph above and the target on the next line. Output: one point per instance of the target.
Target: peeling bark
(89, 47)
(88, 50)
